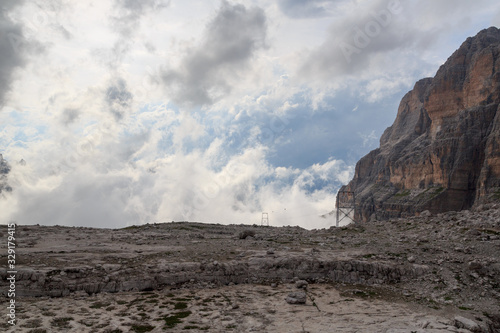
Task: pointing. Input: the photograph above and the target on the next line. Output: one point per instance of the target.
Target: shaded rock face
(443, 151)
(4, 170)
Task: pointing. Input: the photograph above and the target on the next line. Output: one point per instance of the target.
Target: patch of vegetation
(48, 314)
(172, 320)
(180, 306)
(117, 330)
(191, 327)
(137, 300)
(465, 308)
(433, 304)
(491, 232)
(496, 195)
(37, 330)
(32, 323)
(54, 272)
(121, 302)
(61, 322)
(403, 194)
(142, 328)
(201, 227)
(132, 227)
(143, 315)
(364, 294)
(182, 299)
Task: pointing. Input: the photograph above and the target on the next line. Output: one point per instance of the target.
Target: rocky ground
(424, 274)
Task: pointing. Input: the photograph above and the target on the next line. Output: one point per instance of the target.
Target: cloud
(209, 70)
(118, 99)
(105, 146)
(12, 48)
(4, 170)
(126, 175)
(307, 8)
(69, 116)
(130, 13)
(384, 35)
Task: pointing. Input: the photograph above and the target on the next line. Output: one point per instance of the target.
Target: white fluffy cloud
(117, 112)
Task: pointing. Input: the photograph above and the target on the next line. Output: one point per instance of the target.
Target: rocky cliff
(443, 151)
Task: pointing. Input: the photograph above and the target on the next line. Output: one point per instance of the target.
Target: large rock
(443, 151)
(296, 297)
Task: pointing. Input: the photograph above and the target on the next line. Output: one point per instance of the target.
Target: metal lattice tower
(346, 205)
(265, 219)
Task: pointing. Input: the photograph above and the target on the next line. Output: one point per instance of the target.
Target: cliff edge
(443, 151)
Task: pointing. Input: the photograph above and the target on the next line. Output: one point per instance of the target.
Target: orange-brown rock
(443, 151)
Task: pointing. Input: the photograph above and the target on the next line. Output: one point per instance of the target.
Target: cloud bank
(123, 112)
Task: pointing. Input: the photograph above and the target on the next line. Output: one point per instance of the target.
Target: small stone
(273, 285)
(297, 297)
(301, 284)
(411, 259)
(426, 213)
(461, 322)
(270, 251)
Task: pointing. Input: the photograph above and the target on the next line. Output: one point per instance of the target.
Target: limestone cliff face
(443, 151)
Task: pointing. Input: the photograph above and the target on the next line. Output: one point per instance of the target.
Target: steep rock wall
(443, 151)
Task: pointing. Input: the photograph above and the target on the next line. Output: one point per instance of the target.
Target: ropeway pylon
(265, 219)
(346, 205)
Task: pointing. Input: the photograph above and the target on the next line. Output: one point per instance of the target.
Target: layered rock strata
(257, 269)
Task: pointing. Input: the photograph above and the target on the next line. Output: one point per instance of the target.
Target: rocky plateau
(433, 273)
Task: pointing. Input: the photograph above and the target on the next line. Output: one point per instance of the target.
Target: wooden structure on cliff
(346, 204)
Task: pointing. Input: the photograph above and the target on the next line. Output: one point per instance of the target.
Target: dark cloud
(69, 116)
(12, 48)
(4, 170)
(130, 13)
(306, 8)
(231, 39)
(118, 98)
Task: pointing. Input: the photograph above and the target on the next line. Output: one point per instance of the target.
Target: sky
(119, 112)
